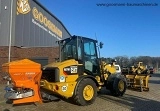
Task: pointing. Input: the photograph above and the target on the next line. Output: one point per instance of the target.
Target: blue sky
(124, 30)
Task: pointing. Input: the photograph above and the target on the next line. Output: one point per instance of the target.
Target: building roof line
(52, 15)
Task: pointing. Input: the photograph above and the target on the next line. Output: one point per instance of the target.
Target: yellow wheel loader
(80, 74)
(139, 68)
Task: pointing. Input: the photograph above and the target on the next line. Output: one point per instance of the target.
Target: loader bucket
(25, 77)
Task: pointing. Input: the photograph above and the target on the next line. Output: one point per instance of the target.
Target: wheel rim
(121, 85)
(88, 92)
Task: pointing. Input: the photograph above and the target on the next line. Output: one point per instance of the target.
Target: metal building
(29, 30)
(26, 23)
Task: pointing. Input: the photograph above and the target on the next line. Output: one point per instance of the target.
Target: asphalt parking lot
(131, 101)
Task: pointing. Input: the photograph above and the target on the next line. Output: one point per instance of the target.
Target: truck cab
(118, 69)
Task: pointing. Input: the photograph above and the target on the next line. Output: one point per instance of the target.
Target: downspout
(10, 34)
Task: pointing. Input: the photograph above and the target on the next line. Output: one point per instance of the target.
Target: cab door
(90, 57)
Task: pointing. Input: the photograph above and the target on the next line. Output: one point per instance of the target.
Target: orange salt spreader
(25, 77)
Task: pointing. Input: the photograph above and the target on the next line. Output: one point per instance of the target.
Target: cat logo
(23, 7)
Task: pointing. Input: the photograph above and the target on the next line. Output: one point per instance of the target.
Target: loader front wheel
(86, 92)
(119, 87)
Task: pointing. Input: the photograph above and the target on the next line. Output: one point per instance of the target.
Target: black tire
(79, 96)
(118, 87)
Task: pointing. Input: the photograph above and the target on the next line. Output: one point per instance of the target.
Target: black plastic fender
(114, 76)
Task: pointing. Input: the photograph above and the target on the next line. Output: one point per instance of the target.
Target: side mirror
(101, 45)
(61, 42)
(64, 42)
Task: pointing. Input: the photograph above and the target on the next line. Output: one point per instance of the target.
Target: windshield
(68, 49)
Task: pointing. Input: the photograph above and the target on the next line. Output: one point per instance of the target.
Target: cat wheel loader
(78, 75)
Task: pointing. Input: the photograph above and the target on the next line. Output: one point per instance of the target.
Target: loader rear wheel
(119, 87)
(86, 92)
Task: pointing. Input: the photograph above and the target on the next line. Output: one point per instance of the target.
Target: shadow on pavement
(134, 103)
(155, 75)
(6, 110)
(155, 78)
(154, 81)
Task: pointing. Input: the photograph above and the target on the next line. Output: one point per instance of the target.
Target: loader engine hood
(61, 64)
(55, 71)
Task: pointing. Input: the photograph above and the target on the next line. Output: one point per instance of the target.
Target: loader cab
(83, 50)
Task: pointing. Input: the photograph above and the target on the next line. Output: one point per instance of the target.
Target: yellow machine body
(80, 74)
(139, 68)
(67, 83)
(138, 81)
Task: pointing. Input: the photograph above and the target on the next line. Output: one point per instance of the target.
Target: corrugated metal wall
(33, 25)
(4, 22)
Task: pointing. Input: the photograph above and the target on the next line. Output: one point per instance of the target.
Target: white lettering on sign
(42, 27)
(30, 73)
(17, 74)
(74, 69)
(43, 20)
